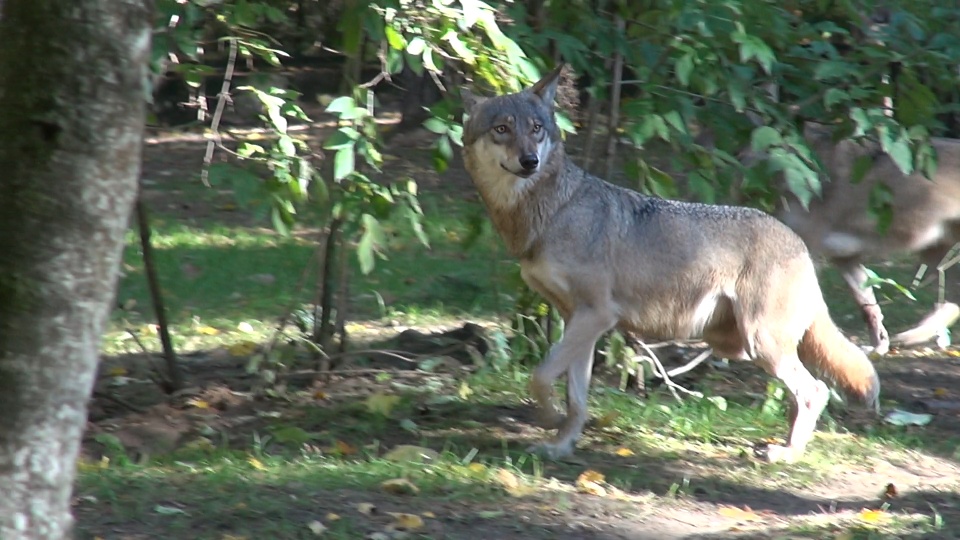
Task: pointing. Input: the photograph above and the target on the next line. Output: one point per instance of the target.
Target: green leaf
(684, 68)
(344, 163)
(371, 239)
(752, 47)
(435, 125)
(394, 38)
(344, 137)
(763, 137)
(416, 46)
(341, 104)
(834, 96)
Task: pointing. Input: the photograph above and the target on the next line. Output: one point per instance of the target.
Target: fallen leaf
(399, 486)
(890, 492)
(464, 391)
(149, 329)
(256, 463)
(378, 536)
(739, 514)
(898, 417)
(589, 482)
(511, 484)
(380, 403)
(590, 475)
(333, 517)
(872, 516)
(208, 330)
(316, 527)
(624, 452)
(940, 392)
(244, 326)
(321, 395)
(607, 419)
(198, 403)
(117, 371)
(344, 448)
(168, 510)
(411, 453)
(366, 509)
(477, 467)
(490, 514)
(243, 348)
(407, 522)
(430, 515)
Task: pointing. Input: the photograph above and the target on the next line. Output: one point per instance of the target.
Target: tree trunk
(72, 89)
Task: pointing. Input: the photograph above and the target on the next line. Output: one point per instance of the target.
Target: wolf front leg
(855, 275)
(808, 397)
(573, 355)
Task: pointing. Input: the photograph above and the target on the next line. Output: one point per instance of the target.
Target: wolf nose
(529, 162)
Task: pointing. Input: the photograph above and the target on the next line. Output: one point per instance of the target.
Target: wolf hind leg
(807, 397)
(573, 354)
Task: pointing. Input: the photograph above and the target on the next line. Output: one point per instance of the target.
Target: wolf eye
(537, 128)
(500, 129)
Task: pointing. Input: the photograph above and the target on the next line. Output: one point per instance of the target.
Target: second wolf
(607, 257)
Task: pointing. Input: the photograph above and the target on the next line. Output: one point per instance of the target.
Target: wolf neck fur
(521, 208)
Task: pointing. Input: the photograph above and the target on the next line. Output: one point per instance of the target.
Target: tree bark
(72, 98)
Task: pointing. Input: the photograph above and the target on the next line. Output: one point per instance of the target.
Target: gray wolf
(608, 257)
(839, 226)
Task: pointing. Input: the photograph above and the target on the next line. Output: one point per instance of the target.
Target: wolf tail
(827, 353)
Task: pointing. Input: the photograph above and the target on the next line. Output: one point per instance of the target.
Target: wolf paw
(775, 453)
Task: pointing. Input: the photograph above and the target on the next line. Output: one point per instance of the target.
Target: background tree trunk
(72, 97)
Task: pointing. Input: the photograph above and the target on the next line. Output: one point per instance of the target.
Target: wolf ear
(470, 101)
(546, 87)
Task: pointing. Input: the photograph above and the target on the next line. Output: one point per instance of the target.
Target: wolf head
(514, 132)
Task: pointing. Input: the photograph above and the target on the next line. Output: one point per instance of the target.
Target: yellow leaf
(366, 509)
(321, 395)
(739, 514)
(430, 515)
(464, 391)
(149, 329)
(208, 330)
(243, 348)
(256, 463)
(411, 453)
(590, 475)
(316, 527)
(381, 403)
(511, 484)
(608, 419)
(117, 371)
(507, 479)
(407, 522)
(333, 517)
(198, 403)
(477, 467)
(344, 448)
(940, 392)
(399, 486)
(624, 452)
(872, 516)
(589, 482)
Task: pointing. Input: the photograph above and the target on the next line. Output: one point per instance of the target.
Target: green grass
(215, 276)
(267, 485)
